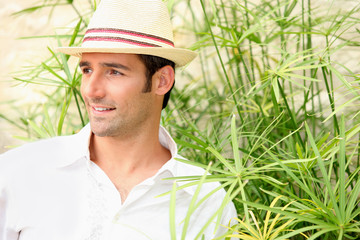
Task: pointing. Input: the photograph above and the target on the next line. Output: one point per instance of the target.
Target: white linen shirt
(50, 190)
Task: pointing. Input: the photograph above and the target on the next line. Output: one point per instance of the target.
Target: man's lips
(100, 109)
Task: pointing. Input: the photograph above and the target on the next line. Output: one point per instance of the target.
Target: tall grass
(270, 112)
(294, 143)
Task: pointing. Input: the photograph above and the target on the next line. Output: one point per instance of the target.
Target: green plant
(275, 59)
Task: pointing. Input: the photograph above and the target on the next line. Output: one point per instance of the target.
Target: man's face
(112, 88)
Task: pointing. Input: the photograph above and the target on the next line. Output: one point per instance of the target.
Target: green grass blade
(39, 131)
(64, 109)
(172, 221)
(222, 159)
(352, 203)
(54, 73)
(192, 206)
(235, 145)
(325, 177)
(49, 124)
(342, 170)
(302, 186)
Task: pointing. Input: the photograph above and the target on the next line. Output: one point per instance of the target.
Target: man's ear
(165, 78)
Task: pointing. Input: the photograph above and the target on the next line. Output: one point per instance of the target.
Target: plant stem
(292, 117)
(331, 100)
(221, 61)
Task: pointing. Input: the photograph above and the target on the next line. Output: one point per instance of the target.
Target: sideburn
(148, 84)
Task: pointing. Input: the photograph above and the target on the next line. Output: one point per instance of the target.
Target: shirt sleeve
(227, 219)
(6, 231)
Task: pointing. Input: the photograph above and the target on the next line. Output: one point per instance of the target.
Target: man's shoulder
(191, 170)
(186, 167)
(211, 190)
(38, 146)
(38, 153)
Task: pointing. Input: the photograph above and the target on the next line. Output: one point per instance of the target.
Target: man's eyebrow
(84, 64)
(105, 64)
(115, 65)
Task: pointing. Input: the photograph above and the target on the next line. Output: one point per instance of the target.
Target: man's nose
(94, 86)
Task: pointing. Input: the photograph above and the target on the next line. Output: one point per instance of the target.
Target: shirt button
(117, 216)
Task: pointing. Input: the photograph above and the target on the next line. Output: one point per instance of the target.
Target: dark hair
(153, 64)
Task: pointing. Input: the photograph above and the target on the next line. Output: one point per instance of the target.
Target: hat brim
(179, 56)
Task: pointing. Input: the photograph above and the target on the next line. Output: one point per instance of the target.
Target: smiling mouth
(103, 109)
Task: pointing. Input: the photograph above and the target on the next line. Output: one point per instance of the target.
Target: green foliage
(270, 112)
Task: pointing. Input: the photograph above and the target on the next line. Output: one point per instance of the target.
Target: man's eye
(115, 72)
(85, 70)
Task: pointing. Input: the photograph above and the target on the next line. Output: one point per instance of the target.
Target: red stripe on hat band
(131, 33)
(118, 39)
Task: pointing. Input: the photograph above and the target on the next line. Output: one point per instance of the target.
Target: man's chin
(100, 130)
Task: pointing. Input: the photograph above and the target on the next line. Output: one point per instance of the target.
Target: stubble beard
(122, 124)
(104, 128)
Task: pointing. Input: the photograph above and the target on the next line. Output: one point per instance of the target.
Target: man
(105, 181)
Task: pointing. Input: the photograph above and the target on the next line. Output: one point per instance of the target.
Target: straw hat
(131, 26)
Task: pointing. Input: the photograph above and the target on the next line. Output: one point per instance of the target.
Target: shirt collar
(77, 147)
(174, 168)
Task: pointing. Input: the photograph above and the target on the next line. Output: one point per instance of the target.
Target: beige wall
(17, 53)
(13, 54)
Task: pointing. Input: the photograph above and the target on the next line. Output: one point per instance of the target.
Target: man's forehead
(104, 55)
(122, 60)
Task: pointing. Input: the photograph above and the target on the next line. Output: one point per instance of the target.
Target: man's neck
(132, 151)
(129, 161)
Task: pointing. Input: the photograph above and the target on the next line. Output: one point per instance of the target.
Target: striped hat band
(127, 37)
